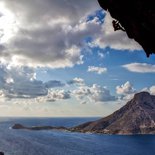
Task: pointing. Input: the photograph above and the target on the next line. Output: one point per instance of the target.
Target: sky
(62, 58)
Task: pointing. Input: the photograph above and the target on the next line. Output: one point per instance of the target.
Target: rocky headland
(136, 117)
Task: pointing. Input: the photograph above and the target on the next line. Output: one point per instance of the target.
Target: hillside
(136, 117)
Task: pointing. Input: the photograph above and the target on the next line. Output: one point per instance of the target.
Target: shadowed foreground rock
(136, 117)
(137, 17)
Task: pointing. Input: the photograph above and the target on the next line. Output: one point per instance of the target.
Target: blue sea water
(23, 142)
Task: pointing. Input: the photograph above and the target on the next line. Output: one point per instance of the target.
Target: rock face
(136, 117)
(137, 17)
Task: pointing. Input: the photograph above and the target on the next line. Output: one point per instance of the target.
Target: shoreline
(65, 129)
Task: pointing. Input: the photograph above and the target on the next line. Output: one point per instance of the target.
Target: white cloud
(55, 95)
(151, 90)
(98, 70)
(95, 93)
(82, 92)
(100, 94)
(101, 55)
(50, 33)
(21, 82)
(125, 89)
(140, 67)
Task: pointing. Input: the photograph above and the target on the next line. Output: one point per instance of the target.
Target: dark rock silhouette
(137, 17)
(136, 117)
(1, 153)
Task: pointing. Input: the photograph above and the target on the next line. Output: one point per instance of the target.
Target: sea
(24, 142)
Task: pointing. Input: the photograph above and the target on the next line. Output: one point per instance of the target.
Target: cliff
(136, 17)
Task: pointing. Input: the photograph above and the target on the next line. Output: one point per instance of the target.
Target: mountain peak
(142, 94)
(143, 99)
(136, 117)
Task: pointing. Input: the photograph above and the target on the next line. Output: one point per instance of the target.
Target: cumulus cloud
(52, 33)
(82, 92)
(47, 10)
(126, 88)
(151, 90)
(98, 70)
(95, 93)
(101, 94)
(76, 80)
(140, 67)
(21, 82)
(49, 33)
(55, 95)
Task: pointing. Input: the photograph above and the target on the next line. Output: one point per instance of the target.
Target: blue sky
(63, 58)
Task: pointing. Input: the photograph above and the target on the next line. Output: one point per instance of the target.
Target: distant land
(136, 117)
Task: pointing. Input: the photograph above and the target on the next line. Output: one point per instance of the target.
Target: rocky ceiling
(136, 17)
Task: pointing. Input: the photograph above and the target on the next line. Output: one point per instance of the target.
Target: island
(19, 126)
(136, 117)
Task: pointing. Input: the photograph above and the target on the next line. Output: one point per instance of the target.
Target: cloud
(55, 95)
(47, 10)
(21, 82)
(101, 94)
(52, 33)
(125, 89)
(98, 70)
(81, 92)
(151, 90)
(76, 80)
(54, 83)
(101, 55)
(114, 39)
(48, 33)
(140, 67)
(95, 93)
